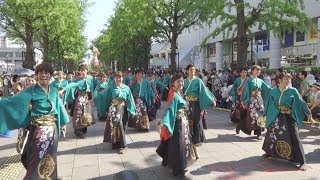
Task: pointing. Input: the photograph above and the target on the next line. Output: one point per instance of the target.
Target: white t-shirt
(5, 82)
(310, 77)
(267, 79)
(225, 91)
(205, 80)
(315, 96)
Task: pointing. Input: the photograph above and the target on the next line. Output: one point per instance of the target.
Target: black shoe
(265, 156)
(164, 162)
(259, 137)
(175, 172)
(237, 130)
(80, 136)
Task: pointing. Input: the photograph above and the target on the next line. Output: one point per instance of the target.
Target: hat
(308, 69)
(316, 85)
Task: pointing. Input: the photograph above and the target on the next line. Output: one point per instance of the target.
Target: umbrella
(23, 71)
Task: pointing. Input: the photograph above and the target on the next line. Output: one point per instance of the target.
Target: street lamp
(178, 59)
(7, 56)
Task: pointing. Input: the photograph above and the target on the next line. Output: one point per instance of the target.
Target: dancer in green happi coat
(144, 98)
(198, 98)
(44, 120)
(285, 111)
(253, 95)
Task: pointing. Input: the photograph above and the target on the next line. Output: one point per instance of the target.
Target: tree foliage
(57, 25)
(237, 18)
(175, 16)
(127, 36)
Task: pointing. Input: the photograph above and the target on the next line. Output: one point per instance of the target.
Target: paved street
(223, 156)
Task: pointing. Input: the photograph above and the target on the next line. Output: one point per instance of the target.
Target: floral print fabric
(255, 110)
(113, 126)
(278, 142)
(81, 107)
(142, 119)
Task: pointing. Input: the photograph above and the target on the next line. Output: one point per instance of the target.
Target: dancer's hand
(213, 105)
(64, 130)
(61, 92)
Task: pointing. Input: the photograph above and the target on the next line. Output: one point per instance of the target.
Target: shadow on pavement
(309, 133)
(313, 157)
(143, 144)
(227, 138)
(246, 167)
(8, 146)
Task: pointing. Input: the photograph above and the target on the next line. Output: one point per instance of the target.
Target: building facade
(264, 48)
(12, 57)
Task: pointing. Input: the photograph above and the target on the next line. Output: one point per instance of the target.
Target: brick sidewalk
(223, 156)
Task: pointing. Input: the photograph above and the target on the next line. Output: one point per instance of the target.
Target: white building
(11, 56)
(267, 51)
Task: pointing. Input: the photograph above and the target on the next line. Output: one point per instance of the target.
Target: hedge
(315, 69)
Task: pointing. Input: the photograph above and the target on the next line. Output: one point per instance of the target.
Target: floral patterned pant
(39, 156)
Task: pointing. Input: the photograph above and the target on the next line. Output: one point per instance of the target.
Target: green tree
(127, 37)
(19, 20)
(239, 17)
(57, 25)
(62, 17)
(175, 16)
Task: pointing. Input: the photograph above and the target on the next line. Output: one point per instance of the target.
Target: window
(2, 54)
(18, 54)
(211, 50)
(300, 36)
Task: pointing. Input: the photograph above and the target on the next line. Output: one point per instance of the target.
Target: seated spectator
(217, 83)
(304, 85)
(310, 76)
(314, 104)
(225, 100)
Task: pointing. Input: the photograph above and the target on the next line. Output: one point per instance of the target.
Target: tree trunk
(147, 46)
(173, 65)
(29, 61)
(124, 62)
(134, 56)
(45, 39)
(242, 43)
(60, 61)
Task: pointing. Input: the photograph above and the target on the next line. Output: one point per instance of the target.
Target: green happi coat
(83, 85)
(15, 113)
(127, 80)
(196, 88)
(97, 100)
(166, 80)
(102, 85)
(96, 82)
(290, 98)
(169, 116)
(160, 86)
(252, 85)
(111, 81)
(60, 84)
(237, 85)
(144, 91)
(114, 92)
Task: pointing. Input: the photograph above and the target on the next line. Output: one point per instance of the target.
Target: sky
(97, 15)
